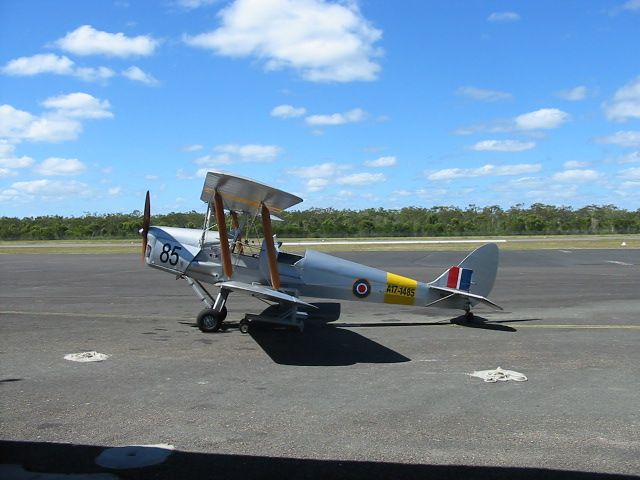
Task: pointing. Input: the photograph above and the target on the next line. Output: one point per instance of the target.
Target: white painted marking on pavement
(392, 242)
(134, 456)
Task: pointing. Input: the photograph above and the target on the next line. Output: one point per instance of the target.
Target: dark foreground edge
(46, 457)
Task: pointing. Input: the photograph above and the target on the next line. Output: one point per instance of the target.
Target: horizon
(350, 105)
(294, 209)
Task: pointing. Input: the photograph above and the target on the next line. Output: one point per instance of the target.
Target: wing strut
(224, 238)
(271, 249)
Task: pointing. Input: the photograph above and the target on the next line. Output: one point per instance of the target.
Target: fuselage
(192, 253)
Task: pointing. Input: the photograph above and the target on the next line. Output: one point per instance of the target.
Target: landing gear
(244, 326)
(210, 320)
(468, 315)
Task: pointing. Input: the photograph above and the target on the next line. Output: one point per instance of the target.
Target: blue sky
(347, 104)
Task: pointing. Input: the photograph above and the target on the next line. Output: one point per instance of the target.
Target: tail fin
(475, 275)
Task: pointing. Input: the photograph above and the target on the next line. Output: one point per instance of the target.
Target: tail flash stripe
(465, 279)
(459, 278)
(452, 279)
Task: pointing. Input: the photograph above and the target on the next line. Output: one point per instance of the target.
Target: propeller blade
(146, 222)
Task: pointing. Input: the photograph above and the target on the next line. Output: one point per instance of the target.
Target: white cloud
(485, 170)
(19, 125)
(47, 189)
(323, 41)
(60, 124)
(628, 138)
(86, 40)
(361, 179)
(54, 166)
(503, 17)
(545, 118)
(54, 64)
(483, 94)
(388, 161)
(502, 146)
(90, 74)
(317, 184)
(193, 4)
(323, 170)
(625, 103)
(114, 191)
(79, 105)
(553, 193)
(500, 126)
(13, 121)
(6, 148)
(136, 74)
(574, 94)
(632, 157)
(250, 152)
(233, 153)
(631, 5)
(4, 173)
(53, 128)
(213, 160)
(352, 116)
(576, 175)
(288, 111)
(16, 162)
(527, 182)
(192, 148)
(631, 174)
(573, 164)
(37, 64)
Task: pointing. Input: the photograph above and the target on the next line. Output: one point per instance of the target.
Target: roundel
(361, 288)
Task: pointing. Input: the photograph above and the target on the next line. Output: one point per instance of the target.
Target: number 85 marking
(170, 255)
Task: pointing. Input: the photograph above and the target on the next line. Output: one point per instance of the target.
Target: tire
(244, 326)
(210, 321)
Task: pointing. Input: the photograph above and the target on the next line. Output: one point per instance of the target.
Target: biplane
(225, 258)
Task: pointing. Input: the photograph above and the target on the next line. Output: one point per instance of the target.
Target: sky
(348, 104)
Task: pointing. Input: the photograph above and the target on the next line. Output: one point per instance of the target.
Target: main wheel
(210, 321)
(244, 326)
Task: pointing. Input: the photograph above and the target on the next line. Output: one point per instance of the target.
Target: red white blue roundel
(361, 288)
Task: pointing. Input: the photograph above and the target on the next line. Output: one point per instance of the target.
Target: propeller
(144, 231)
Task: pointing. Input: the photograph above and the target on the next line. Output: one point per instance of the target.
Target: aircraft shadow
(482, 323)
(325, 312)
(321, 345)
(67, 458)
(10, 380)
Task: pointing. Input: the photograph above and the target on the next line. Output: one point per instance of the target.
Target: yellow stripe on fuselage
(400, 290)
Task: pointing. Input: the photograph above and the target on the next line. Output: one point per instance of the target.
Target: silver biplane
(226, 259)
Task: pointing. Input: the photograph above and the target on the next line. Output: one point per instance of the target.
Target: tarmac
(368, 391)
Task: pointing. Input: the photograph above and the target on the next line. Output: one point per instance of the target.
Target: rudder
(475, 274)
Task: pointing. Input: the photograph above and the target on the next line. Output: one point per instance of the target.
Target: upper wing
(242, 194)
(261, 291)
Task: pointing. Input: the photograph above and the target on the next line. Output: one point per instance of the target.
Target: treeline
(328, 222)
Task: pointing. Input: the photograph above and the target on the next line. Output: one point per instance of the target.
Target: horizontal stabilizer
(263, 292)
(462, 293)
